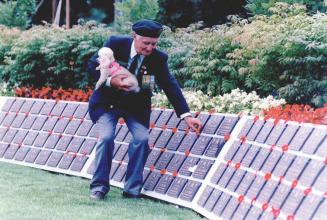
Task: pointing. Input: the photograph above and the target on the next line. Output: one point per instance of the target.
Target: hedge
(47, 56)
(284, 55)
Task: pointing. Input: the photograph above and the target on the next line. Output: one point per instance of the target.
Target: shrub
(180, 47)
(16, 13)
(256, 7)
(57, 57)
(49, 56)
(290, 57)
(209, 67)
(7, 39)
(5, 90)
(238, 102)
(283, 55)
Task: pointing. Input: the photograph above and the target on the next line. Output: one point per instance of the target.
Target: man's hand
(117, 81)
(193, 123)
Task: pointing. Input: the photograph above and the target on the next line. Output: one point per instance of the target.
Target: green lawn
(28, 193)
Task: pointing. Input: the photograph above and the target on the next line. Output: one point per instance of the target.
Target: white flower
(235, 102)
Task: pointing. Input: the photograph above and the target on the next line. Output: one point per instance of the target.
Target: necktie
(134, 63)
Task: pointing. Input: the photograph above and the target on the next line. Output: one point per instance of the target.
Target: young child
(109, 68)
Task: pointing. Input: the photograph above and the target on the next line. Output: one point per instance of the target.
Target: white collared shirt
(132, 55)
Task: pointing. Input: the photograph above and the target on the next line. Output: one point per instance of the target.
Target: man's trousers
(138, 151)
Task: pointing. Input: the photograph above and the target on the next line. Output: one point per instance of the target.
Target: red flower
(299, 113)
(81, 95)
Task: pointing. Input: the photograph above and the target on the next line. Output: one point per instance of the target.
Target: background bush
(256, 7)
(16, 13)
(237, 102)
(7, 39)
(284, 55)
(50, 56)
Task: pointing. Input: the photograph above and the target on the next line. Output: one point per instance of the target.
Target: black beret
(147, 28)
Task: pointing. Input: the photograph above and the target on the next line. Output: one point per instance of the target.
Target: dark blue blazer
(136, 104)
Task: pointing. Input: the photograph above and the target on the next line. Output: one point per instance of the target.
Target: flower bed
(58, 94)
(299, 113)
(237, 102)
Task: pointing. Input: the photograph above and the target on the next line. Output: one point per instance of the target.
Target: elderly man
(111, 101)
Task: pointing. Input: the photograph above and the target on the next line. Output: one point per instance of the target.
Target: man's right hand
(117, 81)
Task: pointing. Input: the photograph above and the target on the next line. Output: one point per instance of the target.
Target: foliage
(130, 11)
(16, 13)
(5, 91)
(200, 59)
(256, 7)
(238, 102)
(7, 39)
(209, 68)
(291, 59)
(45, 56)
(284, 54)
(299, 113)
(180, 47)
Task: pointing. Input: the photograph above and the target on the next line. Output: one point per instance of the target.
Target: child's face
(105, 55)
(104, 61)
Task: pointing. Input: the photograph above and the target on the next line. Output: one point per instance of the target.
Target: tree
(262, 6)
(130, 11)
(181, 13)
(98, 10)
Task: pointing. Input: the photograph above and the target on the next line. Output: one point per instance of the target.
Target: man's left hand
(193, 123)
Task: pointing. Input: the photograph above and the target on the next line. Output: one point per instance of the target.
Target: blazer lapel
(124, 52)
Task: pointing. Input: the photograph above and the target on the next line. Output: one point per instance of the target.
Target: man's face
(144, 45)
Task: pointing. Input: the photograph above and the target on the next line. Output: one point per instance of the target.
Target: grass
(28, 193)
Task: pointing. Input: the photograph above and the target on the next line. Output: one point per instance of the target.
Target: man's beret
(147, 28)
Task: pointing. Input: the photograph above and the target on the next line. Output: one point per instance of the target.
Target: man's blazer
(137, 104)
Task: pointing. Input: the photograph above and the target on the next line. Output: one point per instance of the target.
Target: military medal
(148, 81)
